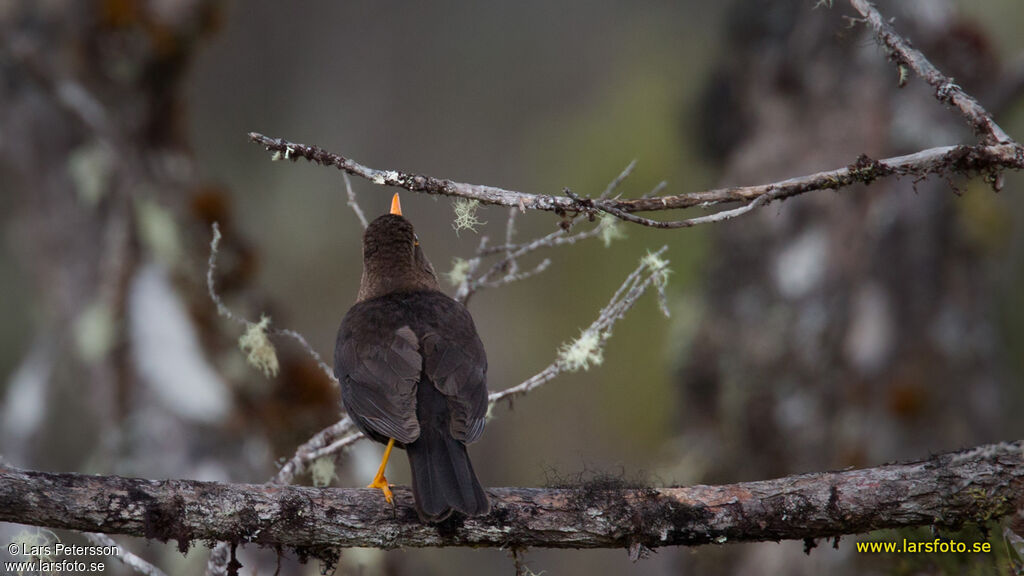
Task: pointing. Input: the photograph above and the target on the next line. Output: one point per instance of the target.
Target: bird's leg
(379, 481)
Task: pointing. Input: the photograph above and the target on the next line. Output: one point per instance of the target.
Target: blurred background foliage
(532, 96)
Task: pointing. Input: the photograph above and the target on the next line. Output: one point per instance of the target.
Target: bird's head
(393, 260)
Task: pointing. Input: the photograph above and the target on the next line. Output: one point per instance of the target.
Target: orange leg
(379, 481)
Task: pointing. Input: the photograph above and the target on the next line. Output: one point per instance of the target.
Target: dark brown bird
(413, 371)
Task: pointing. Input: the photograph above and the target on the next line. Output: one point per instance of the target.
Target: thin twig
(658, 189)
(336, 446)
(510, 232)
(947, 91)
(517, 276)
(303, 456)
(226, 312)
(551, 240)
(353, 203)
(513, 252)
(211, 288)
(618, 179)
(301, 340)
(716, 217)
(632, 288)
(521, 569)
(123, 556)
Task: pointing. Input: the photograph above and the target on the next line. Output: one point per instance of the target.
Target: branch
(575, 355)
(125, 557)
(506, 270)
(998, 152)
(975, 485)
(354, 204)
(946, 90)
(942, 161)
(226, 312)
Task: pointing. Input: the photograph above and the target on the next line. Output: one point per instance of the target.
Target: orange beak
(396, 205)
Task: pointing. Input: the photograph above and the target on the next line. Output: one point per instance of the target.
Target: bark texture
(865, 317)
(975, 485)
(841, 329)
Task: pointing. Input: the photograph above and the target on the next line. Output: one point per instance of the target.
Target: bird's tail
(442, 477)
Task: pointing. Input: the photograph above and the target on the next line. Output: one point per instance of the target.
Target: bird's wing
(378, 383)
(458, 368)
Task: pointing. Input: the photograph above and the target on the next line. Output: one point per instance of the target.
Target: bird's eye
(415, 240)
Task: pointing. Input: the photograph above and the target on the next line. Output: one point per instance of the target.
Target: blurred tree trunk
(96, 162)
(112, 223)
(851, 328)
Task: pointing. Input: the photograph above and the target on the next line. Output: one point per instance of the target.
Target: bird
(413, 371)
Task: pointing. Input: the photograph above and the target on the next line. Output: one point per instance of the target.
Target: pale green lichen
(322, 472)
(95, 332)
(37, 544)
(286, 155)
(159, 231)
(654, 262)
(90, 167)
(459, 272)
(611, 229)
(465, 215)
(582, 352)
(258, 349)
(659, 270)
(903, 77)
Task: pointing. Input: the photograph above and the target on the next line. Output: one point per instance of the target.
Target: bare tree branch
(211, 285)
(947, 91)
(943, 160)
(614, 184)
(975, 485)
(649, 273)
(999, 152)
(226, 312)
(125, 557)
(353, 203)
(314, 448)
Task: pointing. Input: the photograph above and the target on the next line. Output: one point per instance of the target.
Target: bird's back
(432, 410)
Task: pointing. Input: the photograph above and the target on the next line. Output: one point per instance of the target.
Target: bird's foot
(381, 483)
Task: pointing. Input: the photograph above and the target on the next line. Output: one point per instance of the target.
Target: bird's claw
(381, 483)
